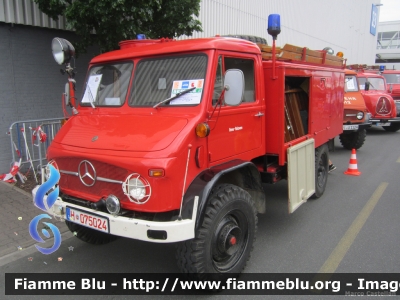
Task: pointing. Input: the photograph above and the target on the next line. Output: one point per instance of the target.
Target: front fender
(241, 173)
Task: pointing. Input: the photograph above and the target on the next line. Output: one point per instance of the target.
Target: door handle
(259, 114)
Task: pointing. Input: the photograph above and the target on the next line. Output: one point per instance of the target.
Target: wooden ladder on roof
(302, 54)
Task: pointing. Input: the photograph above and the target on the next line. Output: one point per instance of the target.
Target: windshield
(350, 84)
(158, 79)
(392, 78)
(377, 84)
(106, 85)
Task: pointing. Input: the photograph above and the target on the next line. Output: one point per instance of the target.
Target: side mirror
(367, 86)
(66, 93)
(234, 87)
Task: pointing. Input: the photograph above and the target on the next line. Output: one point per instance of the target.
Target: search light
(329, 50)
(62, 50)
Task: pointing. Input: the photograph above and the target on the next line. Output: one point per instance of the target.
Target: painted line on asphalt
(347, 240)
(398, 160)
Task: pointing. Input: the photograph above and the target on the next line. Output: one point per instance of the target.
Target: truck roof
(138, 48)
(350, 72)
(366, 74)
(391, 72)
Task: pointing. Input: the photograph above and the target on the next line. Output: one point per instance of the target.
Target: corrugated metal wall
(343, 25)
(27, 12)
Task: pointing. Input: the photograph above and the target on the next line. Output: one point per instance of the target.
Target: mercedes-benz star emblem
(87, 173)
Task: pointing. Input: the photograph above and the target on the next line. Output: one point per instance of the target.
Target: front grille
(350, 115)
(69, 170)
(383, 106)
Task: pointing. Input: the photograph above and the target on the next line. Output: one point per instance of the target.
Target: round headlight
(113, 205)
(62, 50)
(137, 189)
(360, 115)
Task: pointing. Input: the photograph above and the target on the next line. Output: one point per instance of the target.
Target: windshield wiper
(174, 97)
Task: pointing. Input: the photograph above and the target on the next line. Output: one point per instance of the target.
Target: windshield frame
(167, 86)
(392, 76)
(374, 86)
(112, 100)
(355, 80)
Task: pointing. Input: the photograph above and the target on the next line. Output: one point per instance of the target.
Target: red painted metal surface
(119, 141)
(379, 103)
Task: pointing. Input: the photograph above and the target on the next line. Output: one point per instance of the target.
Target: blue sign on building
(374, 20)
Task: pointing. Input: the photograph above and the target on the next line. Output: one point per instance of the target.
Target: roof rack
(364, 68)
(302, 54)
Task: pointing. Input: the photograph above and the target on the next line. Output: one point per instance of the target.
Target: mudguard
(238, 172)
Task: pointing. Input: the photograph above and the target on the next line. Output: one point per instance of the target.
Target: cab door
(235, 130)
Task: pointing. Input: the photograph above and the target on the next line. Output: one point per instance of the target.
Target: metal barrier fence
(30, 140)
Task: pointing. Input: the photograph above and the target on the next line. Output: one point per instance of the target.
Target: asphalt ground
(352, 228)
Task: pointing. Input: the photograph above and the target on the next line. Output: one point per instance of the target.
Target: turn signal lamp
(156, 173)
(340, 54)
(63, 121)
(202, 130)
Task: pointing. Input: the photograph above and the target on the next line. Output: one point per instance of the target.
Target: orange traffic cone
(352, 170)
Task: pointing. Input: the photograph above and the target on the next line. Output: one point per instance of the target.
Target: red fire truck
(356, 115)
(171, 141)
(379, 103)
(392, 78)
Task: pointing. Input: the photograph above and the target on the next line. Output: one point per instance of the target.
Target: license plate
(350, 127)
(87, 219)
(382, 124)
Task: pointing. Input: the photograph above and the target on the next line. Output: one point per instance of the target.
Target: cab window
(246, 66)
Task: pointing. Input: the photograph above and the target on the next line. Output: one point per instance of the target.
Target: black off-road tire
(251, 38)
(353, 140)
(393, 127)
(321, 170)
(89, 235)
(231, 219)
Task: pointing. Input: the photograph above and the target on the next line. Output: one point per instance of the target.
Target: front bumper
(172, 231)
(383, 122)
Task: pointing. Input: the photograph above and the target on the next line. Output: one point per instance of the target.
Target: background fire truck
(379, 103)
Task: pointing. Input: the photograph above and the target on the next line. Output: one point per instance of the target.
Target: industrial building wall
(30, 80)
(342, 24)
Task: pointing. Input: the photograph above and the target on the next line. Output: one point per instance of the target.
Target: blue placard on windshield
(185, 84)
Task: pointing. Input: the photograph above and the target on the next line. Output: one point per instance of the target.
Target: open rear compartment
(291, 126)
(296, 107)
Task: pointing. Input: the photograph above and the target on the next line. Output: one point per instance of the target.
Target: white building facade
(388, 45)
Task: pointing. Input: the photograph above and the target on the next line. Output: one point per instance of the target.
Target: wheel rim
(229, 240)
(321, 171)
